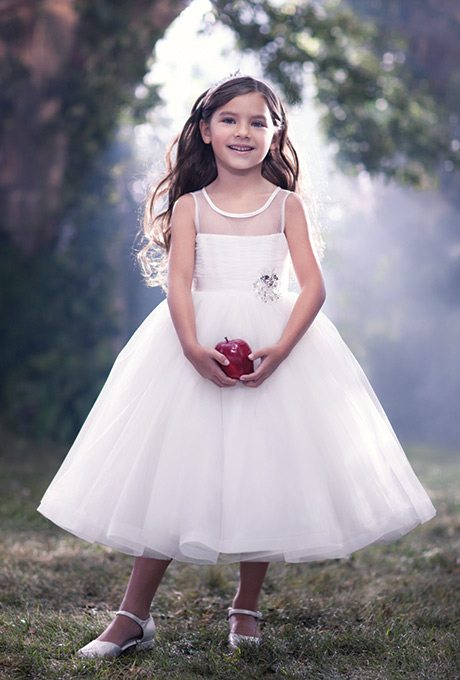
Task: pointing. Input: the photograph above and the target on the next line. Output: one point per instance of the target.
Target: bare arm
(308, 273)
(181, 264)
(309, 301)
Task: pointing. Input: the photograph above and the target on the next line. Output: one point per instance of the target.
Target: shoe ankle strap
(234, 610)
(135, 618)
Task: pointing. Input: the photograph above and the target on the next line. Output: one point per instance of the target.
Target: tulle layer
(169, 465)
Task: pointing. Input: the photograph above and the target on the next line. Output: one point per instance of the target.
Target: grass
(386, 613)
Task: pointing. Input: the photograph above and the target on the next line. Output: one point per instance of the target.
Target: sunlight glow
(196, 53)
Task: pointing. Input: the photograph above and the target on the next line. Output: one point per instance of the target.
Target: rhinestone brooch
(267, 287)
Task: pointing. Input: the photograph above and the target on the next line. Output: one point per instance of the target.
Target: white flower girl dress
(169, 465)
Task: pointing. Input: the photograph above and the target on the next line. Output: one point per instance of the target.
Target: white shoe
(105, 649)
(234, 639)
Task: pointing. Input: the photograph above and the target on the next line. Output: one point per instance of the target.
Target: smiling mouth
(240, 148)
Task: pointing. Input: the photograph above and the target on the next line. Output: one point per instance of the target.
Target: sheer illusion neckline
(276, 233)
(246, 214)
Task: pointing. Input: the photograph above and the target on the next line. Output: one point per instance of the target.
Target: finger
(252, 383)
(222, 371)
(254, 379)
(249, 376)
(221, 358)
(218, 378)
(221, 384)
(225, 381)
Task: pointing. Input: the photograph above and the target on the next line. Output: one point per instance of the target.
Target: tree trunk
(50, 56)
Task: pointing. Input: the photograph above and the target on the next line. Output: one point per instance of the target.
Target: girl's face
(240, 132)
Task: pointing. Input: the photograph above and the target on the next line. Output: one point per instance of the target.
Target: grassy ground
(386, 613)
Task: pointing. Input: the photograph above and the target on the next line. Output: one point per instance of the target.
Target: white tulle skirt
(169, 465)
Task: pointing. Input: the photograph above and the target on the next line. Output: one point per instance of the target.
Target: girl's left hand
(271, 359)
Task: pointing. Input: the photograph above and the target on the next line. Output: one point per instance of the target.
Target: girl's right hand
(207, 362)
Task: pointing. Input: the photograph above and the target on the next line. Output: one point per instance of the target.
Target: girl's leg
(252, 575)
(145, 578)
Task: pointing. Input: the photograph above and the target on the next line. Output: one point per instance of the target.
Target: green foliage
(58, 323)
(60, 117)
(60, 318)
(430, 63)
(114, 47)
(381, 118)
(58, 308)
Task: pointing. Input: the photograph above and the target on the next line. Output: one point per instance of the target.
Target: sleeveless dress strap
(283, 209)
(197, 213)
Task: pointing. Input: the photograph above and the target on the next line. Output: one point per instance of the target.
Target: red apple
(236, 351)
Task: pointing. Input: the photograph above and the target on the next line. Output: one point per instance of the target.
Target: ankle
(140, 612)
(241, 603)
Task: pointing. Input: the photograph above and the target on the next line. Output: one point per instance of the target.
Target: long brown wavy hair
(190, 166)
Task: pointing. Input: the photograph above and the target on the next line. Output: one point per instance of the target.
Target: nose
(242, 129)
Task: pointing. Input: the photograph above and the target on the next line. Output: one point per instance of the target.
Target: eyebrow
(231, 113)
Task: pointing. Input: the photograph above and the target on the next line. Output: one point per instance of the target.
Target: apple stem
(226, 338)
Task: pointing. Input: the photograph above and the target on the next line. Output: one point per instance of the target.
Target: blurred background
(92, 92)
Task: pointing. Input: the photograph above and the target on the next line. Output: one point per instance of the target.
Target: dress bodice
(256, 261)
(256, 264)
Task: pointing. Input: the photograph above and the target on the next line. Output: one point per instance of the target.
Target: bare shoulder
(294, 206)
(295, 218)
(183, 215)
(185, 205)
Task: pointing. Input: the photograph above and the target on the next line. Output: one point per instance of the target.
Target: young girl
(294, 461)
